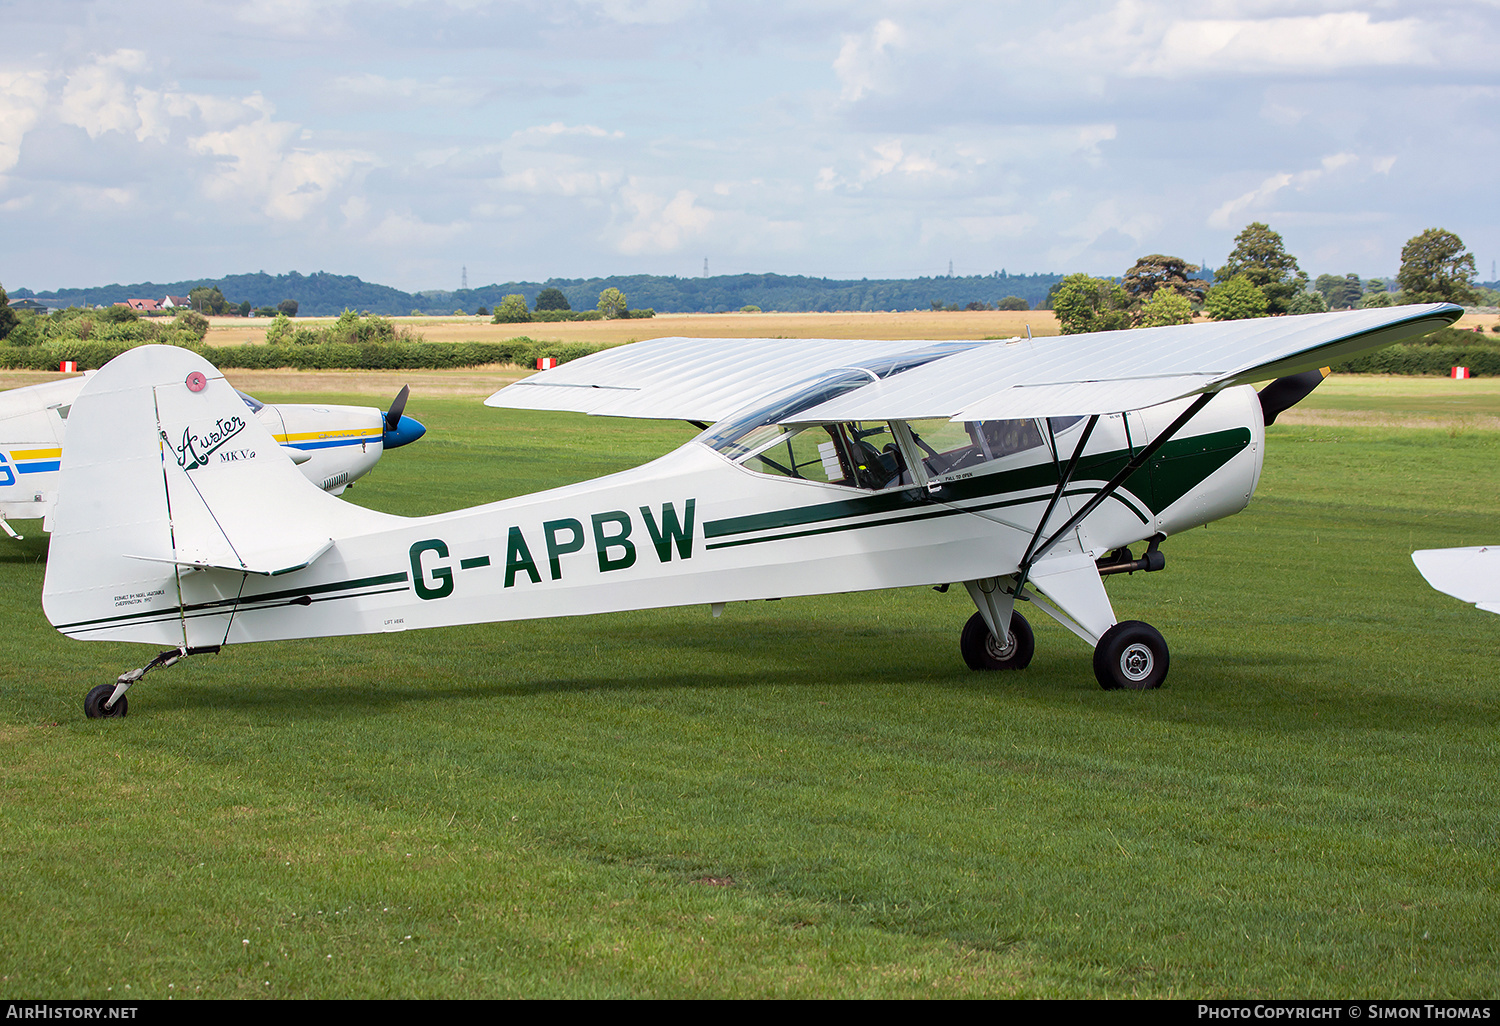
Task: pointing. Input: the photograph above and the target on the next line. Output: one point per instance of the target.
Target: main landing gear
(108, 700)
(1070, 589)
(1131, 655)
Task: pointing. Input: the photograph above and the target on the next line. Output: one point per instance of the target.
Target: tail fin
(165, 472)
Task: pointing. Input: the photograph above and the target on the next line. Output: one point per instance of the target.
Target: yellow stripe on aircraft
(318, 436)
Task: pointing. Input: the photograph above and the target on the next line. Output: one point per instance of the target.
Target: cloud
(23, 94)
(259, 163)
(863, 59)
(1321, 43)
(1231, 212)
(658, 225)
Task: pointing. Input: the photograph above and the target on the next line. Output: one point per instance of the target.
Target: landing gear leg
(108, 700)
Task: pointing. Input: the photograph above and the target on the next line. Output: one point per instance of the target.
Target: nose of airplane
(407, 430)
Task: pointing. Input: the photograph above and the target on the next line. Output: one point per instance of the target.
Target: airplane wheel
(93, 705)
(1131, 655)
(982, 652)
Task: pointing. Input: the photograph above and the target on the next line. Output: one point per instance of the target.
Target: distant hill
(322, 293)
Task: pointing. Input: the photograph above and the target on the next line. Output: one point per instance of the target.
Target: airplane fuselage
(699, 525)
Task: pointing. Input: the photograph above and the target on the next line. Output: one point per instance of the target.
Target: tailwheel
(93, 705)
(1131, 655)
(983, 651)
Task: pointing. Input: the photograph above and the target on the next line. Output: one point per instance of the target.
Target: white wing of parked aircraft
(1023, 469)
(1469, 574)
(333, 445)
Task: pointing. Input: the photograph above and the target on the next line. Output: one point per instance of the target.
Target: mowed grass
(805, 798)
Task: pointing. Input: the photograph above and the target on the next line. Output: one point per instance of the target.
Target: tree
(512, 310)
(1260, 256)
(208, 300)
(1236, 299)
(245, 308)
(1307, 303)
(288, 307)
(612, 303)
(1158, 271)
(1085, 304)
(552, 299)
(194, 322)
(8, 317)
(1339, 293)
(280, 330)
(1012, 303)
(118, 314)
(1166, 306)
(1436, 268)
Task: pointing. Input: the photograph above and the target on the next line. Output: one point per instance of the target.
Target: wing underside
(1105, 372)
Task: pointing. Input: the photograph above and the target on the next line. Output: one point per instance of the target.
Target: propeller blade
(1284, 393)
(393, 415)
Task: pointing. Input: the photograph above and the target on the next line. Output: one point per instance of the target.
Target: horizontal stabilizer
(1468, 574)
(267, 562)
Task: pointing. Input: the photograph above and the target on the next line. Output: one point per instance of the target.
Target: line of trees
(552, 305)
(1260, 278)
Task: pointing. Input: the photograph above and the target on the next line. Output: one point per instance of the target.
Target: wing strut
(1062, 483)
(1035, 552)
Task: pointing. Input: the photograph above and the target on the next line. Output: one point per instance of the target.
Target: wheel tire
(93, 705)
(982, 652)
(1131, 655)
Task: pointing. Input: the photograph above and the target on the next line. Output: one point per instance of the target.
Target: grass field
(805, 798)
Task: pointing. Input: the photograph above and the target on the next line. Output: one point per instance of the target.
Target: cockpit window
(948, 448)
(250, 401)
(757, 428)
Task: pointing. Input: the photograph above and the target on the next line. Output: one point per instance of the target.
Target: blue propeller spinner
(400, 430)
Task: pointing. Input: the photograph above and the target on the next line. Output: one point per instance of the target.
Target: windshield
(757, 428)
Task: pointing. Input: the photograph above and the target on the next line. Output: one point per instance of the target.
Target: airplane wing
(1102, 372)
(1470, 574)
(1115, 371)
(703, 379)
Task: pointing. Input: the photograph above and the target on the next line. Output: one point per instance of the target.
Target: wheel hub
(1136, 662)
(999, 651)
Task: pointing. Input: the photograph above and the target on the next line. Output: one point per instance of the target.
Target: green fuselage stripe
(218, 605)
(1180, 465)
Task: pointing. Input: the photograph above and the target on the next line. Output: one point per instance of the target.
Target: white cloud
(23, 94)
(658, 225)
(863, 59)
(98, 97)
(558, 128)
(1229, 213)
(259, 163)
(1320, 43)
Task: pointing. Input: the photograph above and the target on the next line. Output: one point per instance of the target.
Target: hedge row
(1420, 358)
(324, 356)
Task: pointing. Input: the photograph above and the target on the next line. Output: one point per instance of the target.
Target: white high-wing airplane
(1471, 574)
(333, 445)
(1022, 468)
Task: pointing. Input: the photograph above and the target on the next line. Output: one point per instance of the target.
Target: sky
(405, 141)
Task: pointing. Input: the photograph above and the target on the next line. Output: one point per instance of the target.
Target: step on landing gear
(108, 700)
